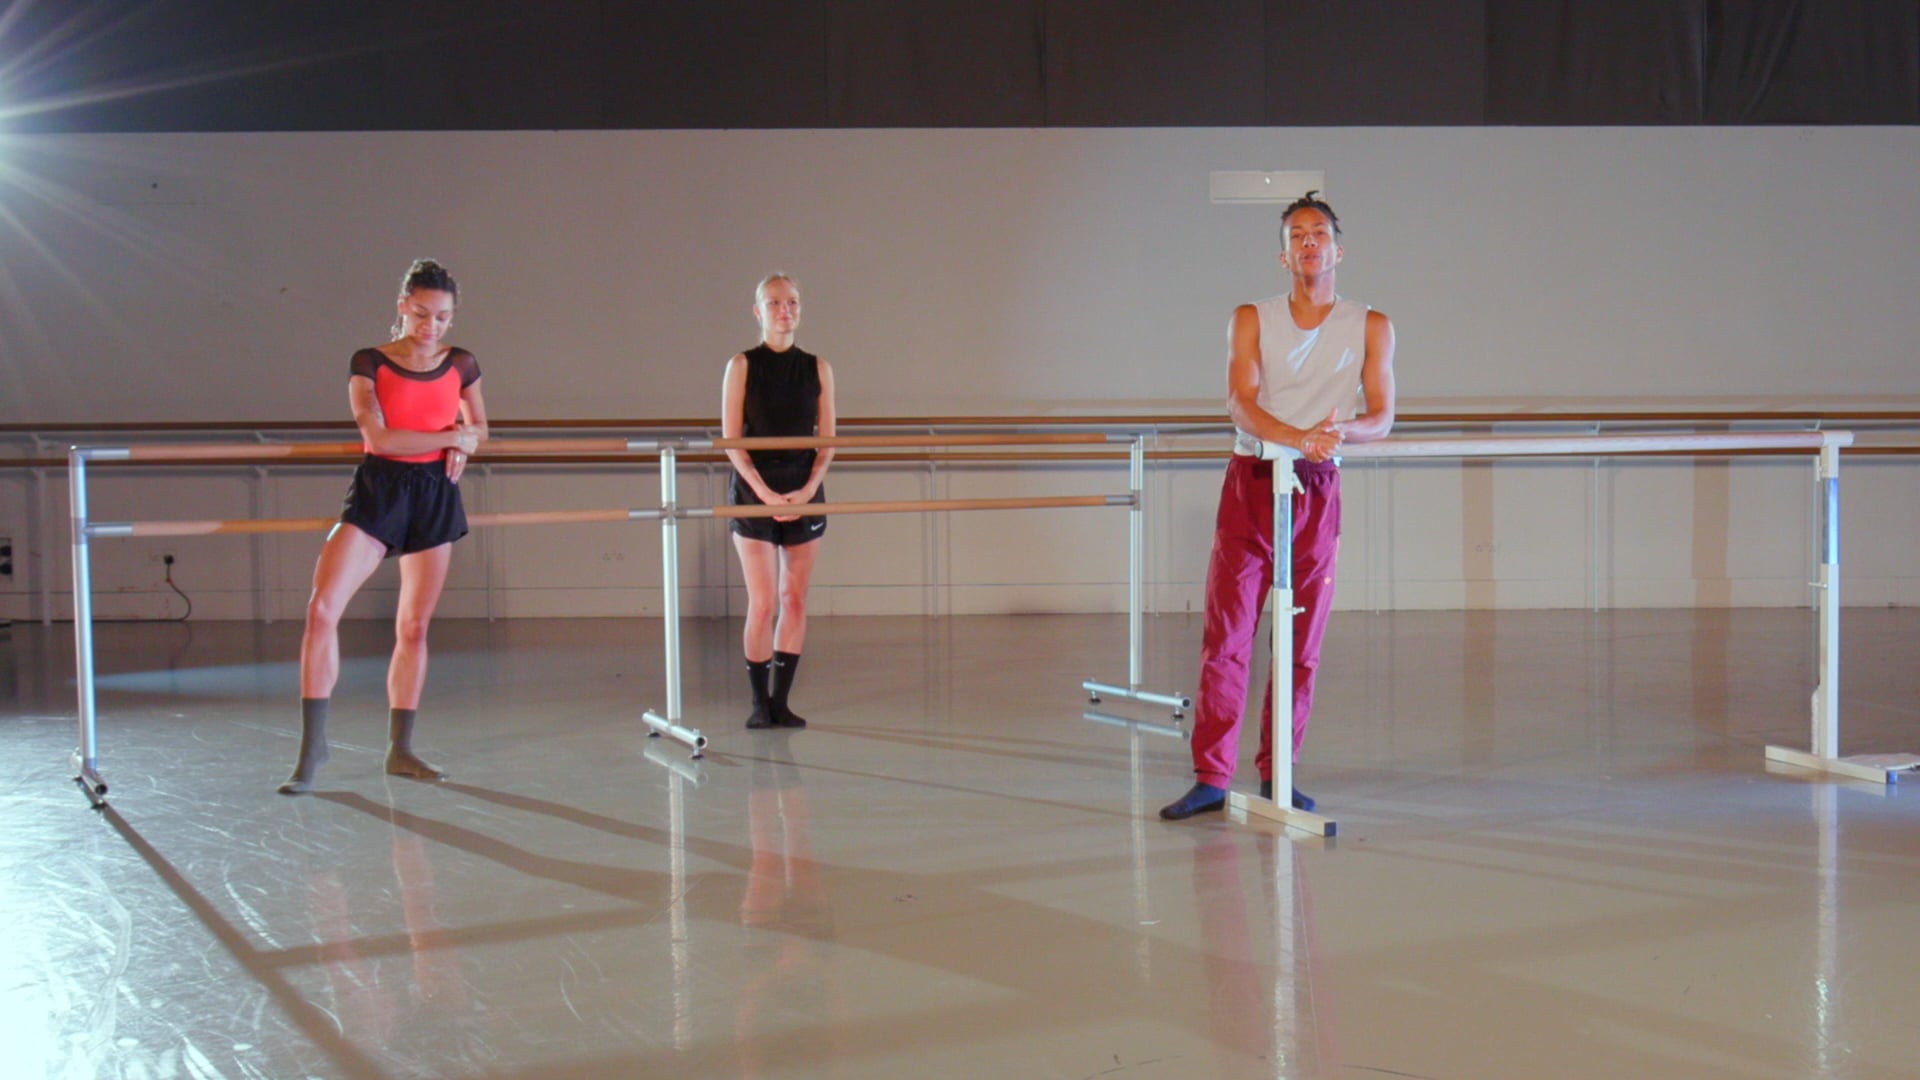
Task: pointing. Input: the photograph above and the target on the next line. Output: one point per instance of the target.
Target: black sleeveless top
(782, 398)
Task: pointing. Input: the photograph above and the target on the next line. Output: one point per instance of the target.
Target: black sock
(785, 666)
(313, 747)
(758, 672)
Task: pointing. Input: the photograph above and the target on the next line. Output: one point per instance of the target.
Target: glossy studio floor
(1560, 855)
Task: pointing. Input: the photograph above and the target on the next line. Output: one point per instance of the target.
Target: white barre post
(670, 604)
(1136, 577)
(1280, 725)
(1136, 553)
(1825, 753)
(1826, 693)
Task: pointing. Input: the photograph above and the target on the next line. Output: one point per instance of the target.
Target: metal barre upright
(670, 724)
(86, 757)
(1136, 576)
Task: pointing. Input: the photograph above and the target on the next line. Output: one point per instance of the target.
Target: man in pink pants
(1306, 371)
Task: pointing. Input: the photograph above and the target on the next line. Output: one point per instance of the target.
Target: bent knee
(324, 614)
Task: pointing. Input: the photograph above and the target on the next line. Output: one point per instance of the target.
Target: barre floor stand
(1824, 756)
(1281, 611)
(669, 724)
(1136, 575)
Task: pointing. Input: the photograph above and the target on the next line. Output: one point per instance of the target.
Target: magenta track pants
(1239, 575)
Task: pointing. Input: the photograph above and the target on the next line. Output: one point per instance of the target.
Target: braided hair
(1310, 201)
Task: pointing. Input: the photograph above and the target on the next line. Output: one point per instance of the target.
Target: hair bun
(428, 274)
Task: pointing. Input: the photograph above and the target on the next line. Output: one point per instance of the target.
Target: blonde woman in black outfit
(777, 388)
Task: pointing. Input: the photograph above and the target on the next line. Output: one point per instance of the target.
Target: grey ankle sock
(313, 747)
(400, 728)
(401, 760)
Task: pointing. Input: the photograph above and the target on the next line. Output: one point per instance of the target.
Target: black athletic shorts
(791, 477)
(407, 505)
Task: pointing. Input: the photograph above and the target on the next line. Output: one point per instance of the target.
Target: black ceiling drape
(222, 65)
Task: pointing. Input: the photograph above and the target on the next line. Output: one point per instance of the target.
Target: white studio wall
(609, 274)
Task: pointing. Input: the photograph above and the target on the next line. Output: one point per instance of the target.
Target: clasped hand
(1322, 442)
(466, 439)
(789, 498)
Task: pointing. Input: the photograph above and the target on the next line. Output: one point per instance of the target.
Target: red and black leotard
(418, 400)
(408, 503)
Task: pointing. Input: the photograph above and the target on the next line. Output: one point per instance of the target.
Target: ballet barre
(85, 758)
(668, 722)
(1826, 445)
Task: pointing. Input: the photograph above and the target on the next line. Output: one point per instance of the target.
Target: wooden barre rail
(214, 452)
(292, 525)
(1585, 445)
(911, 506)
(211, 528)
(592, 517)
(836, 441)
(1875, 449)
(1407, 415)
(276, 451)
(613, 452)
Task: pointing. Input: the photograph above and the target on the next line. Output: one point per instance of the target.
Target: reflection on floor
(1560, 855)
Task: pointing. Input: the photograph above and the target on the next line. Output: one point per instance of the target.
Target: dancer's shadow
(630, 884)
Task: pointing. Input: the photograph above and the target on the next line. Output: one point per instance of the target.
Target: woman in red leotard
(417, 403)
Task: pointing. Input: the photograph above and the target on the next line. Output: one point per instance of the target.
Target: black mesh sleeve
(467, 366)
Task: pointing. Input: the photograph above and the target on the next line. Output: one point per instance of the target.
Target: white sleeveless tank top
(1307, 375)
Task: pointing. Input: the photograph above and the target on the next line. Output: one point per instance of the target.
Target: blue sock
(1301, 800)
(1200, 799)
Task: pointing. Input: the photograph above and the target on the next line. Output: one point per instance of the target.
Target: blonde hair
(760, 290)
